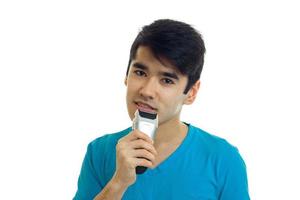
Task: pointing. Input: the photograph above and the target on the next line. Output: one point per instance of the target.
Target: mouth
(145, 107)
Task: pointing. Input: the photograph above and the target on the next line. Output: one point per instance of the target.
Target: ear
(125, 81)
(192, 93)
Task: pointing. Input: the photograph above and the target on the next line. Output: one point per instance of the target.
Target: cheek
(131, 95)
(132, 87)
(174, 104)
(172, 98)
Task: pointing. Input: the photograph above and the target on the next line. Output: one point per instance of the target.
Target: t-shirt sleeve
(233, 176)
(88, 185)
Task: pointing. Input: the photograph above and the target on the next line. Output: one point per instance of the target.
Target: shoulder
(224, 156)
(211, 142)
(217, 148)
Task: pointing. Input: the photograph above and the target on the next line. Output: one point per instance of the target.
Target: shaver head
(147, 115)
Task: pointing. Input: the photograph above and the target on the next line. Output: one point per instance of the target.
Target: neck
(170, 132)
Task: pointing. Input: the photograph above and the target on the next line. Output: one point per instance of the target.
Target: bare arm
(114, 190)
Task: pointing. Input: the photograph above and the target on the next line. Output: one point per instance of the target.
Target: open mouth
(145, 107)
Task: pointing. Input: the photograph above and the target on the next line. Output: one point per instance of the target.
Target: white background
(61, 85)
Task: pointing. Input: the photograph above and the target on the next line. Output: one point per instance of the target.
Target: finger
(140, 135)
(133, 135)
(142, 153)
(143, 162)
(141, 144)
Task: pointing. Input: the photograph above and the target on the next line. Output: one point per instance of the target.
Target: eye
(139, 73)
(167, 81)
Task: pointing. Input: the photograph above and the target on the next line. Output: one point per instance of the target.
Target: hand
(134, 149)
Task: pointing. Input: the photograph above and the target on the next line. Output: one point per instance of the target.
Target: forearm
(112, 191)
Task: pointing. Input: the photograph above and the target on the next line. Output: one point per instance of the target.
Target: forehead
(144, 55)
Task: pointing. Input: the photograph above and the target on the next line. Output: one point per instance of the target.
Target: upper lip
(140, 102)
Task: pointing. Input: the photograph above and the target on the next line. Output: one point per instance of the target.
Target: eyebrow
(166, 74)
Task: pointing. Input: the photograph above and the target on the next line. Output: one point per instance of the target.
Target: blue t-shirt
(203, 167)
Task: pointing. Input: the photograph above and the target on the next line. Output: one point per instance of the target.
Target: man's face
(154, 86)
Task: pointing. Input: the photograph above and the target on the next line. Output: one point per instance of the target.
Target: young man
(183, 161)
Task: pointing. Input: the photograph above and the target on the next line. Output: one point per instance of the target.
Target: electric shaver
(146, 123)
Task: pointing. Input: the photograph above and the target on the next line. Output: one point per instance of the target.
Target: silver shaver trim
(145, 124)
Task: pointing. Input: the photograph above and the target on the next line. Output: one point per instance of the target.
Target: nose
(148, 89)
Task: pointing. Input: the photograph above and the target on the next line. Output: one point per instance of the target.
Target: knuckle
(139, 141)
(152, 157)
(148, 163)
(136, 132)
(144, 152)
(140, 135)
(148, 155)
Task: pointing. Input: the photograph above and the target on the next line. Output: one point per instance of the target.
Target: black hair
(176, 41)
